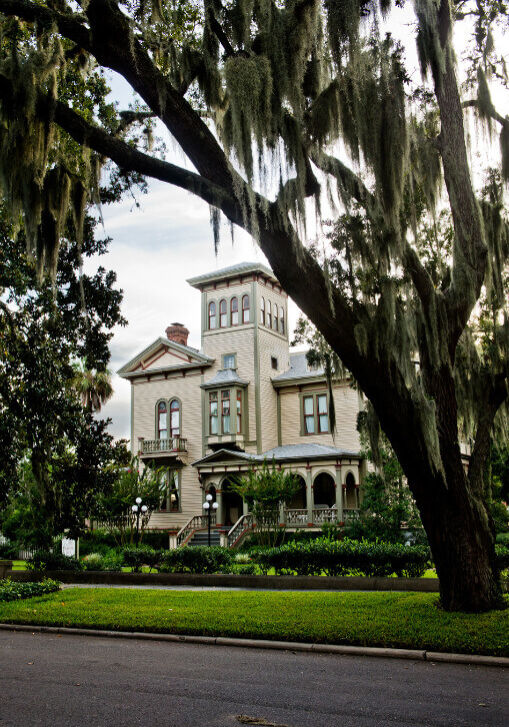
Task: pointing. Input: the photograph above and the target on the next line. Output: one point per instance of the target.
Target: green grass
(404, 620)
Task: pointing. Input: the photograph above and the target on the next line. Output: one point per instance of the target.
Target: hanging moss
(504, 148)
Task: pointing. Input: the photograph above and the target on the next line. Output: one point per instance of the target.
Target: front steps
(200, 537)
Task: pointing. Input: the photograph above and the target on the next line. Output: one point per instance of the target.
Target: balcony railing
(161, 446)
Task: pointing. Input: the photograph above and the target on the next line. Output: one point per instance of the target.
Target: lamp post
(208, 506)
(137, 509)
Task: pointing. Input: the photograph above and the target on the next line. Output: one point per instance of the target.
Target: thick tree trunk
(463, 549)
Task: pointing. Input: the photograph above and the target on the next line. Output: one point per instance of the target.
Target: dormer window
(245, 309)
(212, 315)
(223, 317)
(234, 311)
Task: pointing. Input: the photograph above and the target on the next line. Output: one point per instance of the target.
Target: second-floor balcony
(158, 448)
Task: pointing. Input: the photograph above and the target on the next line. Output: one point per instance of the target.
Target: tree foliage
(266, 489)
(277, 104)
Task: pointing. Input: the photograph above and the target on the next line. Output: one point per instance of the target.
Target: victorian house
(206, 415)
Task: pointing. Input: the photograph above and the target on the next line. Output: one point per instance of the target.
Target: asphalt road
(57, 680)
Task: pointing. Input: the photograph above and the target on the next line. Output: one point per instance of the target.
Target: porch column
(339, 493)
(220, 509)
(309, 494)
(245, 508)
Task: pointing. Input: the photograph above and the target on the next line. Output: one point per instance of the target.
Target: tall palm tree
(93, 387)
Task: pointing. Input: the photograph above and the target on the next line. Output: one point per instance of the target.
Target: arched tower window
(281, 319)
(269, 314)
(174, 418)
(245, 309)
(212, 315)
(262, 311)
(234, 311)
(162, 420)
(276, 322)
(223, 318)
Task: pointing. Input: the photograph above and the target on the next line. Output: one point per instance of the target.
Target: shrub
(93, 561)
(113, 560)
(13, 590)
(138, 557)
(502, 556)
(336, 558)
(199, 559)
(43, 560)
(8, 551)
(244, 569)
(102, 541)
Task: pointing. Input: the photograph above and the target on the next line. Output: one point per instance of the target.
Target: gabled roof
(298, 370)
(196, 358)
(225, 377)
(231, 272)
(287, 453)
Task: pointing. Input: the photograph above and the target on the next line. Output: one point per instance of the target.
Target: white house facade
(205, 415)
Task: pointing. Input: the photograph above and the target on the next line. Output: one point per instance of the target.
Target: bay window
(225, 411)
(213, 418)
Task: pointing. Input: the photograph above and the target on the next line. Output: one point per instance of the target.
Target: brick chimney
(177, 332)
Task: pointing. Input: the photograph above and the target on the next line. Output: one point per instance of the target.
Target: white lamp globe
(215, 505)
(209, 497)
(134, 508)
(206, 505)
(138, 500)
(144, 508)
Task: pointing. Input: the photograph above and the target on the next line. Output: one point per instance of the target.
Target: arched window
(223, 318)
(174, 418)
(281, 319)
(212, 315)
(162, 420)
(276, 322)
(234, 311)
(245, 309)
(262, 311)
(350, 492)
(269, 314)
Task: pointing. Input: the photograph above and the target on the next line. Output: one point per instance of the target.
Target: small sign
(69, 547)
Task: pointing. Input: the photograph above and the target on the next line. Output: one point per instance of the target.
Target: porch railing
(198, 522)
(323, 515)
(171, 444)
(296, 518)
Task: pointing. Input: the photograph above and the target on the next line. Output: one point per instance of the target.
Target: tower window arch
(269, 314)
(212, 315)
(245, 309)
(162, 420)
(234, 311)
(174, 418)
(262, 311)
(276, 320)
(223, 317)
(281, 319)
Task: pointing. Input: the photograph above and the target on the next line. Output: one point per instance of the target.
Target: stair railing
(197, 522)
(241, 527)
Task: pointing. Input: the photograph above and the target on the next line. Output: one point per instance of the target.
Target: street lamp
(137, 509)
(208, 506)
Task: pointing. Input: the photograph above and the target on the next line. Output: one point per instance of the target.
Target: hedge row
(13, 590)
(337, 558)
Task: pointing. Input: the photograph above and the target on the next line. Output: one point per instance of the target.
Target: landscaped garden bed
(399, 620)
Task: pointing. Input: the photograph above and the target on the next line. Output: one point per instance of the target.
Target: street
(58, 680)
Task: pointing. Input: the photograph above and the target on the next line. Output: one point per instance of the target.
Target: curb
(412, 654)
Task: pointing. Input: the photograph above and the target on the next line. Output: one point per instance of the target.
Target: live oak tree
(275, 103)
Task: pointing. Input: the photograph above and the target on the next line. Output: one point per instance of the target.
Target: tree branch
(125, 156)
(69, 25)
(474, 103)
(497, 393)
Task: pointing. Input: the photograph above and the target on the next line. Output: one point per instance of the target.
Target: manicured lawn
(405, 620)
